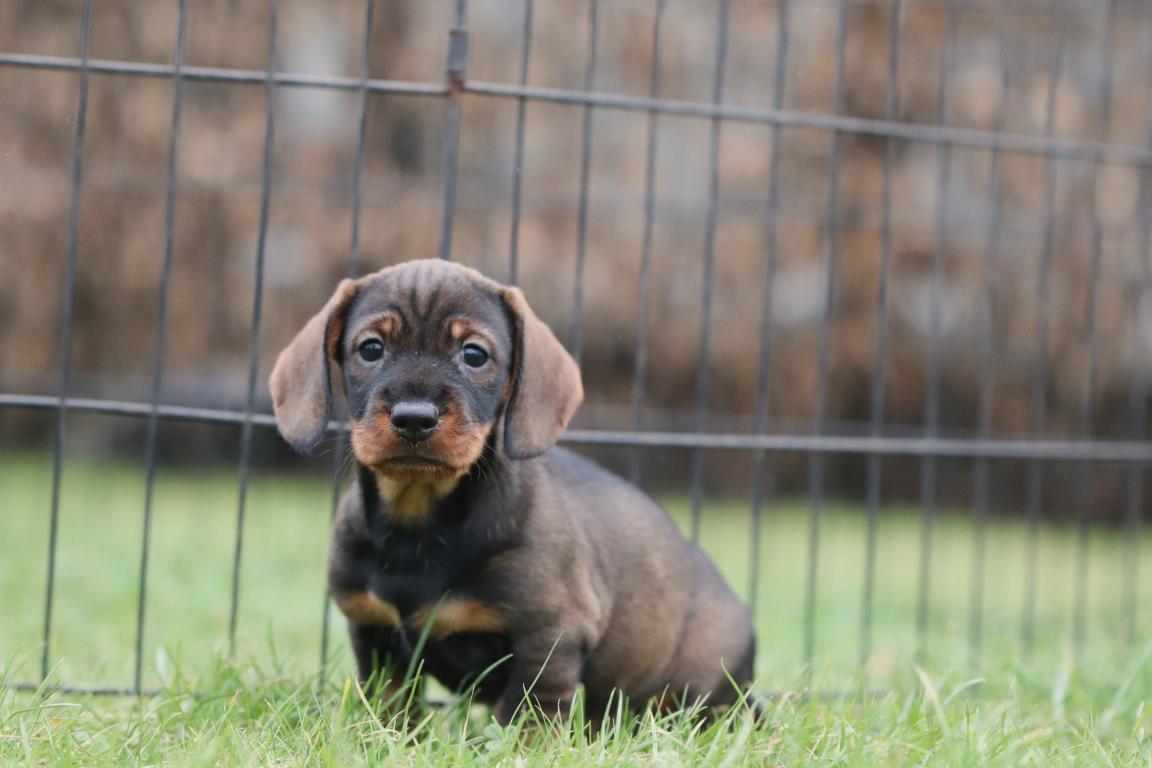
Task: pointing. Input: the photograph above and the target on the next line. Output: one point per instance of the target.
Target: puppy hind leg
(543, 680)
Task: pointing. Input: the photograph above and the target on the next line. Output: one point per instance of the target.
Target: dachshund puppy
(468, 539)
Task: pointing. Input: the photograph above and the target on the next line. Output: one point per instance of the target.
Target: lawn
(263, 704)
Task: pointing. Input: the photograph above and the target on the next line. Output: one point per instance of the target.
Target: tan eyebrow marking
(460, 329)
(385, 324)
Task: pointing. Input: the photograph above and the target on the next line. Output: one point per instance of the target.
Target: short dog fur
(465, 515)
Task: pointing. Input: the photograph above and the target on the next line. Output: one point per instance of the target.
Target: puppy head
(431, 356)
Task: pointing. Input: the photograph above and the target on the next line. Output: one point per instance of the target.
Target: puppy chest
(446, 615)
(383, 574)
(408, 591)
(413, 593)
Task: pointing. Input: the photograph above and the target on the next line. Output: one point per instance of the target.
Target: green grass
(261, 705)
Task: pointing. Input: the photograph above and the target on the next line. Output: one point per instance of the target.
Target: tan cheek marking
(372, 438)
(459, 616)
(458, 443)
(365, 608)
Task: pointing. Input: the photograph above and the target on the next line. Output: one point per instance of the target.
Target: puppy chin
(410, 469)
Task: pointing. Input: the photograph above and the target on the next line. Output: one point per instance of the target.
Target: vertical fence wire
(339, 459)
(1138, 393)
(68, 308)
(820, 405)
(929, 466)
(266, 179)
(456, 71)
(982, 471)
(1039, 365)
(771, 259)
(518, 161)
(1087, 417)
(341, 446)
(575, 342)
(1086, 480)
(161, 337)
(880, 348)
(643, 296)
(706, 287)
(338, 465)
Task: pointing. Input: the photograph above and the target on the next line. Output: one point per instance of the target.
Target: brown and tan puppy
(465, 515)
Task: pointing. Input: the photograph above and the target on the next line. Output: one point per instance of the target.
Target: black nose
(414, 422)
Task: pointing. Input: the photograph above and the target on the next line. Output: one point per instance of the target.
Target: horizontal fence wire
(435, 703)
(929, 445)
(1135, 452)
(960, 137)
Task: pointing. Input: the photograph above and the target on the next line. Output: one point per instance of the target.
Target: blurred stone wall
(217, 216)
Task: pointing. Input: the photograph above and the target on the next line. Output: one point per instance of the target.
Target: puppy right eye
(371, 350)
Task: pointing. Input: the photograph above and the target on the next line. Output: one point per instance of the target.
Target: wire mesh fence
(875, 439)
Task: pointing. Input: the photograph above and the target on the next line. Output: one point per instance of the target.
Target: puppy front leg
(546, 671)
(379, 663)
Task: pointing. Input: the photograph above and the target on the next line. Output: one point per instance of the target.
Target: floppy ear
(546, 388)
(301, 381)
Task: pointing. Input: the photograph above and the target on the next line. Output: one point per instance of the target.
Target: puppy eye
(371, 350)
(474, 355)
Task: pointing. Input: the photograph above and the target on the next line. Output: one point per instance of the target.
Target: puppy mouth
(414, 461)
(414, 466)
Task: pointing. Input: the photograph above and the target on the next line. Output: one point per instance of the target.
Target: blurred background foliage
(1102, 95)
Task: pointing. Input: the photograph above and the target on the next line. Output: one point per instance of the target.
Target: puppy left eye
(475, 356)
(371, 350)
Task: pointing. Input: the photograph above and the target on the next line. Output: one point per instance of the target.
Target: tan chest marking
(366, 609)
(411, 502)
(448, 618)
(458, 616)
